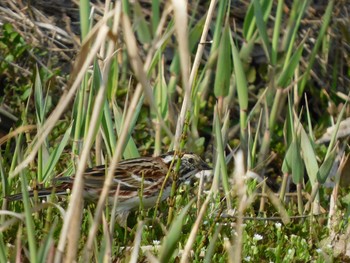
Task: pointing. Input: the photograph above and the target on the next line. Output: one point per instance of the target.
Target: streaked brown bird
(147, 173)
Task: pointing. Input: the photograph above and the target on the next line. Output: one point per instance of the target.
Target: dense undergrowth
(264, 77)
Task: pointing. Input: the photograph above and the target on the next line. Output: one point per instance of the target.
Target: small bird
(132, 176)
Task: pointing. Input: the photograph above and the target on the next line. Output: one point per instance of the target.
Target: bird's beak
(205, 166)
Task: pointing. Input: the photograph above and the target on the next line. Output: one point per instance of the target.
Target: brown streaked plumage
(132, 175)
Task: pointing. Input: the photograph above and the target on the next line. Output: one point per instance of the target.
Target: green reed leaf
(224, 67)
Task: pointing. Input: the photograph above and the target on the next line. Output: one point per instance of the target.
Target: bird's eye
(191, 160)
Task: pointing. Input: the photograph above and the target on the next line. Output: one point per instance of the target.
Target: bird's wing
(131, 174)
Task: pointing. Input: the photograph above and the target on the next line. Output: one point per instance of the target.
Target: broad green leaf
(291, 31)
(196, 33)
(89, 106)
(241, 81)
(297, 163)
(40, 109)
(142, 28)
(113, 80)
(130, 150)
(325, 22)
(249, 24)
(219, 25)
(155, 18)
(327, 166)
(289, 134)
(289, 127)
(288, 162)
(84, 15)
(276, 32)
(172, 238)
(242, 92)
(29, 220)
(309, 157)
(107, 124)
(47, 243)
(56, 154)
(160, 94)
(288, 72)
(38, 98)
(246, 50)
(260, 23)
(224, 67)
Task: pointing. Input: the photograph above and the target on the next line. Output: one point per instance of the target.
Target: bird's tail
(44, 192)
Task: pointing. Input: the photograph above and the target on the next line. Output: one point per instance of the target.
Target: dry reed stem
(180, 13)
(194, 231)
(137, 243)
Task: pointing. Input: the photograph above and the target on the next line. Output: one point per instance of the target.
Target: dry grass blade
(114, 212)
(239, 175)
(139, 67)
(135, 59)
(194, 231)
(230, 251)
(8, 223)
(201, 45)
(137, 243)
(332, 223)
(19, 130)
(108, 240)
(343, 131)
(151, 258)
(278, 205)
(180, 13)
